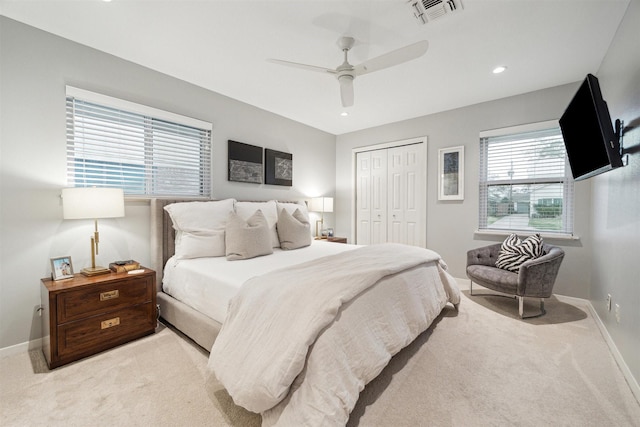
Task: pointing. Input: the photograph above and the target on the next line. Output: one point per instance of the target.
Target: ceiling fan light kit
(346, 72)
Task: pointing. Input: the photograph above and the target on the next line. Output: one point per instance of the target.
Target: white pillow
(200, 227)
(270, 212)
(247, 239)
(200, 216)
(293, 230)
(199, 244)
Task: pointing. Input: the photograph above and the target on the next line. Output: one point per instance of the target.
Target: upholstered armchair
(535, 278)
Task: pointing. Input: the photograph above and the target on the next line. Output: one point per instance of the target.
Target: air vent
(428, 10)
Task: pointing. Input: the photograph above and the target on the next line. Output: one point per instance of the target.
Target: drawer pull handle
(105, 296)
(109, 323)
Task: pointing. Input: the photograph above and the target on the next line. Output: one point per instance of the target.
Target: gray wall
(34, 68)
(616, 198)
(451, 224)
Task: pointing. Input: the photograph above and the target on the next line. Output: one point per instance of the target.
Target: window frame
(156, 129)
(567, 182)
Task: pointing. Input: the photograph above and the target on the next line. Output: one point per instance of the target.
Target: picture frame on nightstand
(61, 268)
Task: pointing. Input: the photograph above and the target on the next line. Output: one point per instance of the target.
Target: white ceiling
(224, 46)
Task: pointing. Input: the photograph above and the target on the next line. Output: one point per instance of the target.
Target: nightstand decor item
(61, 268)
(322, 205)
(124, 266)
(93, 203)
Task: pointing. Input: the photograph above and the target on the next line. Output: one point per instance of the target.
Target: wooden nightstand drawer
(87, 336)
(91, 300)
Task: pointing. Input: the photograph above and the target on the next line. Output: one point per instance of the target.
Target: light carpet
(481, 366)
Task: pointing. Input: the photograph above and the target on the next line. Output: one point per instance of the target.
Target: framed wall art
(61, 268)
(245, 162)
(451, 173)
(278, 167)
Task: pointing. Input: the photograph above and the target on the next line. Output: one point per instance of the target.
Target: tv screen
(591, 143)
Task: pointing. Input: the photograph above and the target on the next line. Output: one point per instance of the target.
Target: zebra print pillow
(513, 252)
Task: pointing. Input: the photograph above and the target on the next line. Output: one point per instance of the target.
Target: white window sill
(555, 236)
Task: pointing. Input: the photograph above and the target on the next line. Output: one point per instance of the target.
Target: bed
(360, 306)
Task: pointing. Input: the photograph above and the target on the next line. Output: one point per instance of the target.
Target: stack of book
(124, 266)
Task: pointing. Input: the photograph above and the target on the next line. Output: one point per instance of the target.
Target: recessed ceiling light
(499, 69)
(344, 114)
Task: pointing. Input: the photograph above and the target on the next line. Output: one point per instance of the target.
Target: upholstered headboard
(162, 236)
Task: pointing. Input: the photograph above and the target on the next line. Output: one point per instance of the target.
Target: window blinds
(525, 182)
(144, 151)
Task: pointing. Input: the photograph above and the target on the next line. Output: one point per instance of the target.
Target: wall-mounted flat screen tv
(593, 147)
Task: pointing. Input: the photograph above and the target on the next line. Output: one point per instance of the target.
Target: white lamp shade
(92, 203)
(321, 204)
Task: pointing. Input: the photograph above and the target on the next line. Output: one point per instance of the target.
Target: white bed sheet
(207, 284)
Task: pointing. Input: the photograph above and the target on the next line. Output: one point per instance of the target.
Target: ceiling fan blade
(346, 90)
(303, 66)
(392, 58)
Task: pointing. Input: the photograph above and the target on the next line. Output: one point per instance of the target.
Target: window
(144, 151)
(525, 180)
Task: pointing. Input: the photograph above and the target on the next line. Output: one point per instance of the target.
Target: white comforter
(262, 354)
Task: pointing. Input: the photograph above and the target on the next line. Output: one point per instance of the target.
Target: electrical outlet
(618, 313)
(608, 302)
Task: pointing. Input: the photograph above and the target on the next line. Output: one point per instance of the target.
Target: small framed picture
(61, 268)
(451, 173)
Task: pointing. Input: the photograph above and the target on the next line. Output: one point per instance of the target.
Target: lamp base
(95, 271)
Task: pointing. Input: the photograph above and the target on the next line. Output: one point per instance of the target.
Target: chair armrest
(537, 277)
(486, 255)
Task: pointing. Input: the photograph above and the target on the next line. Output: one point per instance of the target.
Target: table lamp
(322, 205)
(93, 203)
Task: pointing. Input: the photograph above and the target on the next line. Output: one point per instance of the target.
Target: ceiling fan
(346, 72)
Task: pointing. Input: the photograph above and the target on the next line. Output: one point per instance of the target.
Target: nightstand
(337, 239)
(84, 315)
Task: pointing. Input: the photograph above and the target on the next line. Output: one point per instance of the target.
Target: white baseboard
(20, 348)
(626, 372)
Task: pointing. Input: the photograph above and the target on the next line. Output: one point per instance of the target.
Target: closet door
(371, 197)
(390, 195)
(406, 195)
(379, 200)
(363, 198)
(396, 195)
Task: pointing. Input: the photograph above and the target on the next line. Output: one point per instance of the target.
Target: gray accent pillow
(247, 239)
(294, 230)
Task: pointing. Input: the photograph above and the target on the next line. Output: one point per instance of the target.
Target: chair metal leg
(471, 287)
(521, 309)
